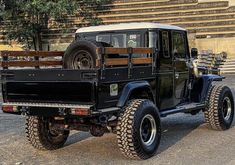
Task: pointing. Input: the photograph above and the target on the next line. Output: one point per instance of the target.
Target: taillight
(80, 111)
(9, 108)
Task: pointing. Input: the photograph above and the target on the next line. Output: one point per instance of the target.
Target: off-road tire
(39, 137)
(75, 49)
(216, 115)
(128, 129)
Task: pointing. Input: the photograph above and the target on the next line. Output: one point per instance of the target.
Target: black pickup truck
(114, 78)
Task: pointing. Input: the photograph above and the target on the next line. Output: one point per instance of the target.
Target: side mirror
(194, 53)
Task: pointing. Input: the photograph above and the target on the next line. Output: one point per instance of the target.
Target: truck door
(165, 89)
(180, 53)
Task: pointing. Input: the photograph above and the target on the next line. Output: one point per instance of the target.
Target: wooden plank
(143, 50)
(30, 63)
(32, 53)
(111, 50)
(124, 61)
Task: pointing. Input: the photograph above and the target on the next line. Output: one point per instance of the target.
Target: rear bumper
(55, 109)
(47, 109)
(46, 105)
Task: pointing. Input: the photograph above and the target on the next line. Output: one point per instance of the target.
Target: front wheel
(139, 129)
(219, 113)
(42, 135)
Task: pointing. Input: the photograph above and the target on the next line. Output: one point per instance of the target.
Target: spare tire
(82, 54)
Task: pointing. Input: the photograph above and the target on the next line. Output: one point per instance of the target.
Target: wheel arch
(207, 81)
(136, 90)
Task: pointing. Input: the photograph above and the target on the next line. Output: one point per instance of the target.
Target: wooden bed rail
(150, 57)
(112, 50)
(32, 53)
(39, 59)
(30, 58)
(124, 61)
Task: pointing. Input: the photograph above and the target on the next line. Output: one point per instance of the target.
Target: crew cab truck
(120, 78)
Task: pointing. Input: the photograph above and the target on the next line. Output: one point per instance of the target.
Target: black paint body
(167, 87)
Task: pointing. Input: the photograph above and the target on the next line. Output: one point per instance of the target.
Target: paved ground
(186, 140)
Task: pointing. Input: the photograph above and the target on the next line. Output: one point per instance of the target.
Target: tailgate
(49, 86)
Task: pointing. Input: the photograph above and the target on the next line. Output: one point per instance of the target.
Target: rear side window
(179, 45)
(165, 45)
(104, 38)
(153, 39)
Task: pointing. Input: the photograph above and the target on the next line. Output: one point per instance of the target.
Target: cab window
(165, 45)
(179, 45)
(153, 39)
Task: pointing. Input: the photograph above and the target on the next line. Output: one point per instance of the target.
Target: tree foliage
(25, 20)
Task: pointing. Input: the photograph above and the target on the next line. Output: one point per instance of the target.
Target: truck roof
(128, 26)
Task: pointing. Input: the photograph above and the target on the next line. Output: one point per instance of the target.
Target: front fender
(207, 81)
(132, 86)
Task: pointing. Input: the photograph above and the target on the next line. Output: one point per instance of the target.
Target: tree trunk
(38, 41)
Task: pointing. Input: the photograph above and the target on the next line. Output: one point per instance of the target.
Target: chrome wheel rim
(82, 60)
(227, 108)
(148, 130)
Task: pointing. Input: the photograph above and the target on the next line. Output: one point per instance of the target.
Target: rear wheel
(42, 135)
(139, 129)
(219, 113)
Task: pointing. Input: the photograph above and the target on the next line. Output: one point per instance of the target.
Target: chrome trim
(153, 132)
(227, 111)
(46, 105)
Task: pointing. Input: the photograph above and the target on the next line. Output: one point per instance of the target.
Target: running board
(182, 109)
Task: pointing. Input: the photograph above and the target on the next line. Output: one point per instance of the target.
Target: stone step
(225, 66)
(194, 13)
(229, 63)
(228, 72)
(211, 28)
(182, 19)
(160, 9)
(224, 18)
(135, 2)
(113, 6)
(211, 36)
(157, 8)
(151, 7)
(184, 13)
(172, 3)
(230, 59)
(227, 69)
(214, 24)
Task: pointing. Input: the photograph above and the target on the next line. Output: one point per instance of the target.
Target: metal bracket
(130, 64)
(154, 61)
(102, 62)
(5, 59)
(36, 58)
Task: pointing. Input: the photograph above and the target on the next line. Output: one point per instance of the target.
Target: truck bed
(46, 82)
(49, 85)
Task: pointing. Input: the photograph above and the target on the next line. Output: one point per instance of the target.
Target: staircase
(215, 19)
(204, 20)
(228, 67)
